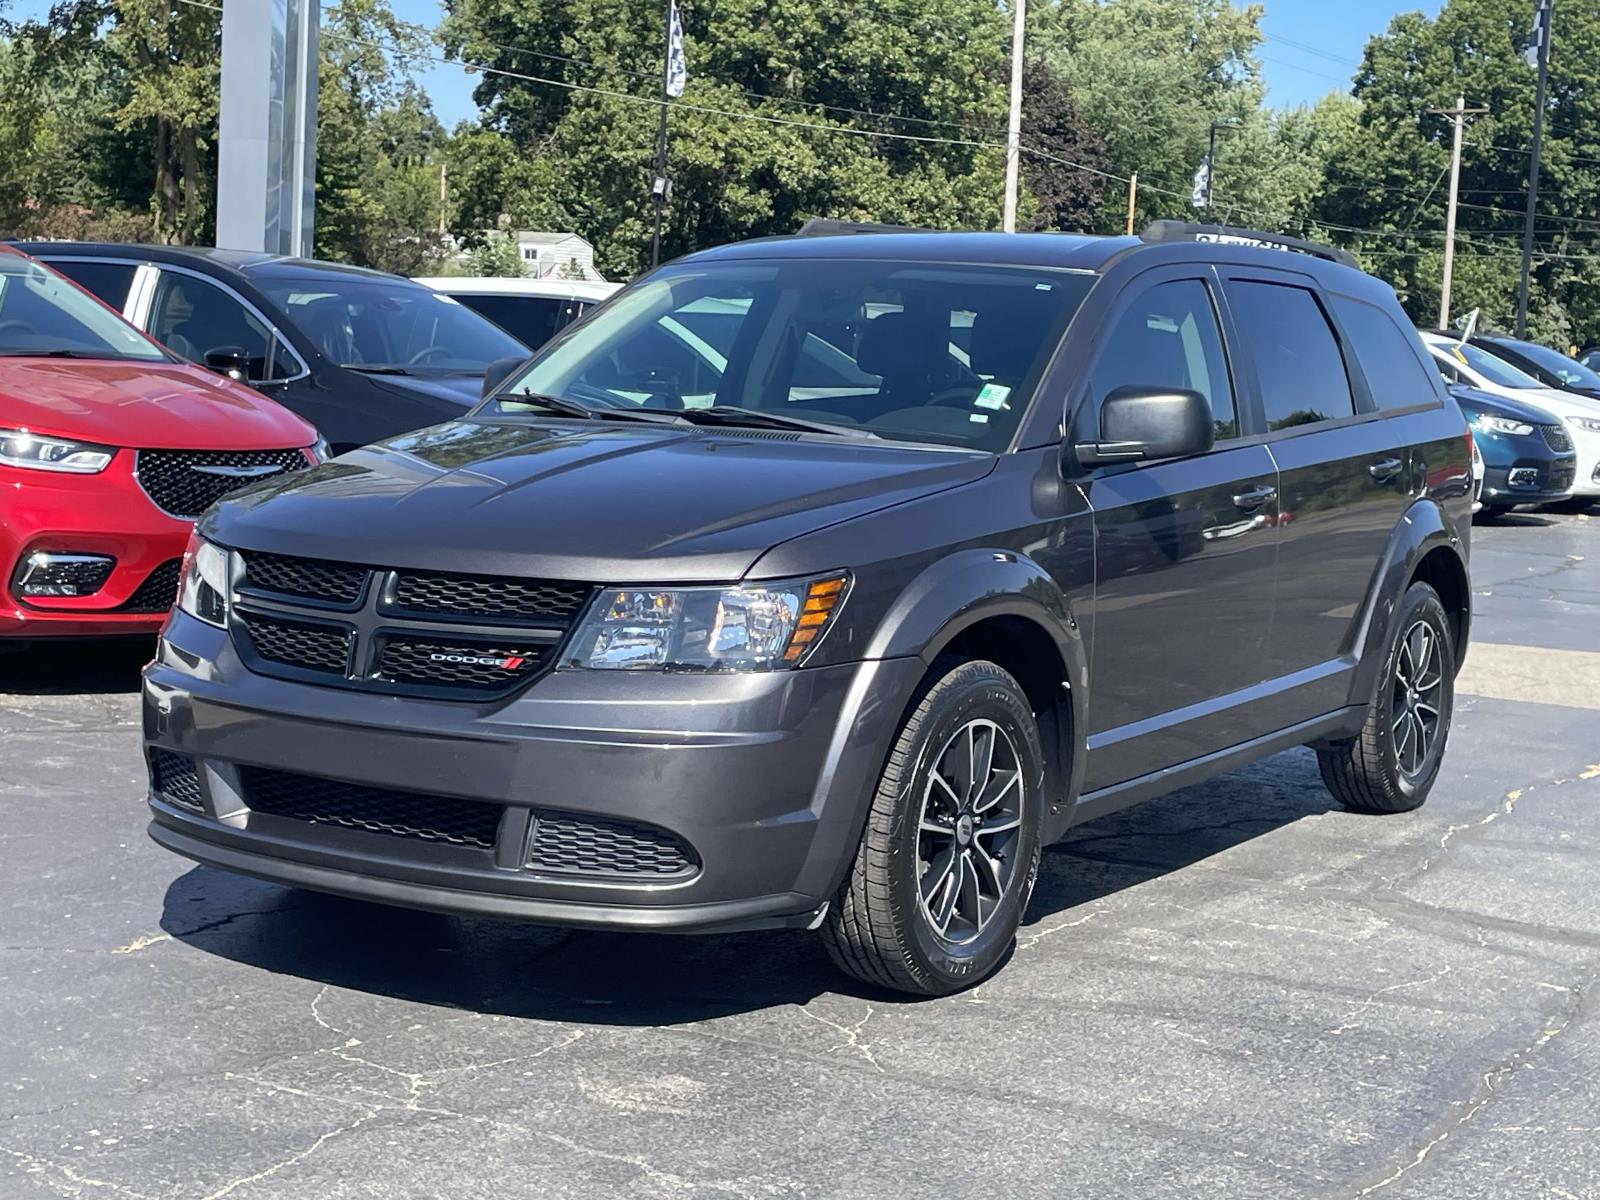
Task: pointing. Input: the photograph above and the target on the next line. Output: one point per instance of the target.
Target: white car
(530, 310)
(1462, 362)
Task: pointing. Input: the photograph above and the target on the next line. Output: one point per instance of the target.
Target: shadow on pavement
(1526, 520)
(514, 969)
(75, 666)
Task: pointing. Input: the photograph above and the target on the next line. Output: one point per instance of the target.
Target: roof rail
(824, 226)
(1228, 235)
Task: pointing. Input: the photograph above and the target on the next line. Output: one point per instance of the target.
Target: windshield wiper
(733, 415)
(376, 369)
(52, 354)
(573, 408)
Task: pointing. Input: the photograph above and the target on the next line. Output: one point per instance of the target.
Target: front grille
(184, 483)
(1556, 438)
(441, 664)
(303, 644)
(1561, 475)
(174, 779)
(412, 815)
(568, 844)
(308, 578)
(487, 596)
(158, 592)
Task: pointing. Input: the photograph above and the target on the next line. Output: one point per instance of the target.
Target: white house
(566, 255)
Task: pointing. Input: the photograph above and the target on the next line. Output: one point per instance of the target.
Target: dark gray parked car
(820, 581)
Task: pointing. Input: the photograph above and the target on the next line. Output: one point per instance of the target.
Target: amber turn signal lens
(822, 599)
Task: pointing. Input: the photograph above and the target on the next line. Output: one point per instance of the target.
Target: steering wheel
(960, 396)
(18, 325)
(428, 354)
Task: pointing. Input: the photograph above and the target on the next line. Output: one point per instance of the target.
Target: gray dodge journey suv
(820, 581)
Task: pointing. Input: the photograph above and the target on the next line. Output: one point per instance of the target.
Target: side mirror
(1139, 423)
(497, 372)
(232, 361)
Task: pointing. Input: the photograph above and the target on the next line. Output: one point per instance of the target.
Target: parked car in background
(1576, 419)
(109, 449)
(1590, 357)
(1550, 367)
(360, 354)
(781, 646)
(532, 310)
(1477, 477)
(1528, 457)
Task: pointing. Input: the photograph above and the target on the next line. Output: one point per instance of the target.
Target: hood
(461, 390)
(591, 501)
(1474, 401)
(143, 405)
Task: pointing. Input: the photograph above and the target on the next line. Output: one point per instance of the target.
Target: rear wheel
(951, 848)
(1392, 765)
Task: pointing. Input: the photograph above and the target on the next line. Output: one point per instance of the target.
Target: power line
(1307, 48)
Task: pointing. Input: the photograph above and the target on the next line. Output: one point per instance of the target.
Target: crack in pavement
(852, 1034)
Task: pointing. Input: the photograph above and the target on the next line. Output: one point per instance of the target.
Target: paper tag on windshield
(992, 395)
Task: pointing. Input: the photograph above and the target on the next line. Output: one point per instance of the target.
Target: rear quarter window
(1390, 358)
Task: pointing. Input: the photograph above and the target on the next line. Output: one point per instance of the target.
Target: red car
(109, 448)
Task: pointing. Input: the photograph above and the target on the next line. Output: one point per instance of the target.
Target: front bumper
(1552, 481)
(105, 514)
(763, 778)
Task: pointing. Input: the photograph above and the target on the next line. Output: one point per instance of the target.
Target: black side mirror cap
(232, 361)
(497, 372)
(1139, 423)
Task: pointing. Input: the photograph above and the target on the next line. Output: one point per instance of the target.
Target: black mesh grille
(312, 578)
(174, 779)
(487, 668)
(1556, 438)
(564, 843)
(299, 644)
(1561, 475)
(375, 810)
(181, 483)
(487, 596)
(158, 592)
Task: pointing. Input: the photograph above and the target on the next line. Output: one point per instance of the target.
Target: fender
(1424, 528)
(974, 585)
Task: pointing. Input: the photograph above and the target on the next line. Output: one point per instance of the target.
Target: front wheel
(950, 853)
(1392, 765)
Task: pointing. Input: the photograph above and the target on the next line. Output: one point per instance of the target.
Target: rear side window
(1296, 356)
(1168, 338)
(108, 280)
(1390, 357)
(534, 320)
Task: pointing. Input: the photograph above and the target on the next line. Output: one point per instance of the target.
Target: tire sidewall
(992, 695)
(1420, 602)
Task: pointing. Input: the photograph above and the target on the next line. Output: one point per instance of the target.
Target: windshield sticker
(992, 395)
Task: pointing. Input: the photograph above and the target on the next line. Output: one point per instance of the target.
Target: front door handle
(1385, 469)
(1255, 497)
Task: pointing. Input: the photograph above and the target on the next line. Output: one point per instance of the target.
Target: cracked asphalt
(1238, 991)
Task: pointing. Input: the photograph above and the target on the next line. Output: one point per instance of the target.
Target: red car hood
(143, 405)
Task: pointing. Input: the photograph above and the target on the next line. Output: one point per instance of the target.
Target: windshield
(1495, 369)
(377, 324)
(911, 351)
(1570, 371)
(42, 314)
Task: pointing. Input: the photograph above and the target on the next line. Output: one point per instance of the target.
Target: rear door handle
(1385, 469)
(1255, 497)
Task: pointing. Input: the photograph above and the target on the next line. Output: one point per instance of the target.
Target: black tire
(881, 929)
(1392, 765)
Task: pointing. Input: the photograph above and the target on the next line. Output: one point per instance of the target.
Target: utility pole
(658, 181)
(1133, 195)
(1543, 13)
(443, 200)
(1008, 221)
(1458, 114)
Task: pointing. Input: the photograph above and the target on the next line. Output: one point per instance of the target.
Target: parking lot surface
(1238, 990)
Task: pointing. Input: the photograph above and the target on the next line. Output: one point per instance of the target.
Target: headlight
(754, 627)
(1589, 424)
(320, 451)
(1504, 425)
(203, 587)
(19, 448)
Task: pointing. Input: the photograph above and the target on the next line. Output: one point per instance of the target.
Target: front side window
(1569, 371)
(1490, 367)
(389, 326)
(910, 351)
(1298, 365)
(192, 317)
(1169, 338)
(41, 314)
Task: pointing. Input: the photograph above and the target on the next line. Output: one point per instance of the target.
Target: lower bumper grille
(411, 815)
(158, 592)
(568, 844)
(1562, 475)
(174, 779)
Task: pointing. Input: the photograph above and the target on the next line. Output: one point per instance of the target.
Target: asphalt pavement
(1238, 990)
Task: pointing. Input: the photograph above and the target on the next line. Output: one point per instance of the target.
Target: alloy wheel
(1417, 720)
(970, 821)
